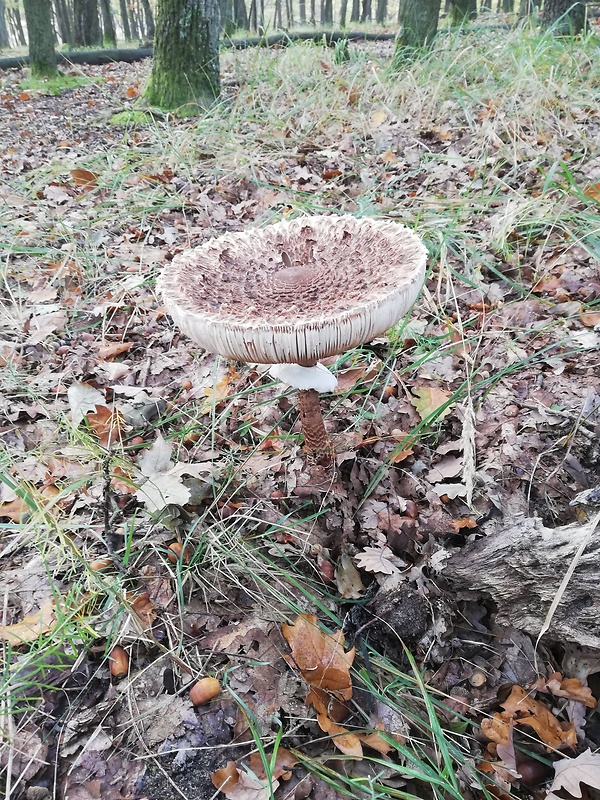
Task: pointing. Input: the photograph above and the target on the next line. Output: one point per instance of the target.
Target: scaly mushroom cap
(296, 291)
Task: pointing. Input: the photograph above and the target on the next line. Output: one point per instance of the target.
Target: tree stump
(521, 567)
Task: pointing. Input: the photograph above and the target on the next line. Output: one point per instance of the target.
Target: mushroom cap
(296, 291)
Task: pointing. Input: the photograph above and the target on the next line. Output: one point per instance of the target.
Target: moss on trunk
(42, 59)
(186, 55)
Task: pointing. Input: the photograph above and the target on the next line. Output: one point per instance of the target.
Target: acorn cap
(296, 291)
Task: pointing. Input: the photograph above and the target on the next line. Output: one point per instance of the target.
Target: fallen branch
(130, 55)
(522, 568)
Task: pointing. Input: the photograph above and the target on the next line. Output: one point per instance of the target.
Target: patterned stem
(316, 440)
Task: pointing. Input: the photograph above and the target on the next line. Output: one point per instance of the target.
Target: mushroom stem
(316, 440)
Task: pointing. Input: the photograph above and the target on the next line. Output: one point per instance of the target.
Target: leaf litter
(122, 440)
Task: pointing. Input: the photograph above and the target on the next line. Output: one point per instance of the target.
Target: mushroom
(293, 293)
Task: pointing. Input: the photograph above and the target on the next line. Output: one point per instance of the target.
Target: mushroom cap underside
(296, 291)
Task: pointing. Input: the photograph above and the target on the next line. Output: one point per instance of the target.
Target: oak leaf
(427, 400)
(239, 784)
(320, 656)
(377, 560)
(570, 773)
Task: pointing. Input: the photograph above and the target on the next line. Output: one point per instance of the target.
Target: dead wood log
(521, 567)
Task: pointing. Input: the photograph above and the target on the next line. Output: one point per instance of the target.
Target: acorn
(118, 662)
(204, 690)
(176, 552)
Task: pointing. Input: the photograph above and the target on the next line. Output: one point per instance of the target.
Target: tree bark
(567, 16)
(521, 567)
(381, 13)
(366, 11)
(108, 24)
(42, 58)
(15, 17)
(148, 20)
(86, 32)
(508, 6)
(355, 13)
(240, 15)
(419, 26)
(343, 13)
(463, 11)
(63, 20)
(125, 20)
(186, 55)
(302, 11)
(327, 12)
(4, 41)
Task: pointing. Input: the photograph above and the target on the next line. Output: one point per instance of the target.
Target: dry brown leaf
(524, 710)
(347, 579)
(223, 389)
(570, 773)
(570, 688)
(284, 763)
(320, 656)
(239, 784)
(347, 742)
(113, 350)
(427, 399)
(107, 424)
(144, 609)
(327, 704)
(15, 510)
(83, 177)
(31, 627)
(590, 318)
(350, 377)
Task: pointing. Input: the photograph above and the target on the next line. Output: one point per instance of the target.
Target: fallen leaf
(282, 768)
(378, 117)
(427, 400)
(31, 627)
(570, 688)
(593, 191)
(377, 560)
(571, 772)
(223, 389)
(107, 424)
(113, 350)
(590, 318)
(15, 510)
(240, 784)
(347, 579)
(83, 398)
(463, 522)
(320, 656)
(83, 177)
(347, 742)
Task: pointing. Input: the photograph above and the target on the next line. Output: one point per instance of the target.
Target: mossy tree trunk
(419, 27)
(38, 17)
(567, 16)
(186, 54)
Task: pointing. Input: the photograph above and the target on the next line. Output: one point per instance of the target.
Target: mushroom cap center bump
(296, 291)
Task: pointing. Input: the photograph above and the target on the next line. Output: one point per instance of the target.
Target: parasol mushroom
(293, 293)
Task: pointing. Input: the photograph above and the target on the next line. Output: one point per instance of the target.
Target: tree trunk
(313, 14)
(343, 13)
(240, 15)
(38, 16)
(15, 18)
(108, 24)
(486, 5)
(302, 7)
(86, 31)
(63, 20)
(355, 13)
(4, 42)
(521, 566)
(508, 6)
(149, 20)
(463, 11)
(125, 20)
(366, 11)
(289, 13)
(567, 16)
(186, 54)
(381, 13)
(419, 26)
(327, 12)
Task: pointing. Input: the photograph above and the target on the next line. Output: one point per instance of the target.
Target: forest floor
(155, 519)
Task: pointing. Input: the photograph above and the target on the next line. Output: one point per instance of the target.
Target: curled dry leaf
(31, 627)
(282, 768)
(241, 784)
(522, 709)
(107, 424)
(320, 656)
(570, 688)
